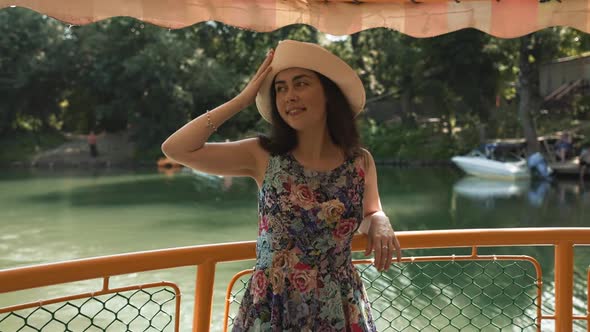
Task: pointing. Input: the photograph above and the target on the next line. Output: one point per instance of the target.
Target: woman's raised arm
(242, 158)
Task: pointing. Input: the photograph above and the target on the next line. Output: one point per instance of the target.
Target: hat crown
(291, 53)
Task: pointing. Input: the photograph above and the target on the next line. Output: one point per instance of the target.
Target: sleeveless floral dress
(304, 279)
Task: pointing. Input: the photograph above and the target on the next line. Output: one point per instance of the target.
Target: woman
(317, 187)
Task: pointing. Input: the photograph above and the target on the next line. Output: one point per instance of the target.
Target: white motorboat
(477, 164)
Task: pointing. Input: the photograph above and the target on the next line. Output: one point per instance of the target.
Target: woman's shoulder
(261, 156)
(364, 153)
(258, 150)
(363, 159)
(253, 147)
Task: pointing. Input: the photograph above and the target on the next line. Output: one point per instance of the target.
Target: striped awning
(419, 18)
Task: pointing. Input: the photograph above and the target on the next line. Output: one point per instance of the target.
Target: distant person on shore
(563, 146)
(584, 160)
(92, 144)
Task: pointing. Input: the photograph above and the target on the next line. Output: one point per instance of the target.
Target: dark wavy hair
(340, 121)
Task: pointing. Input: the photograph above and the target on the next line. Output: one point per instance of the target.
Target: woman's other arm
(381, 237)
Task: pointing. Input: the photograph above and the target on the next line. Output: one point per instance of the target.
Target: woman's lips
(295, 111)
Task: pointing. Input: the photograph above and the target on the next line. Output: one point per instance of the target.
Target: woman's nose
(291, 95)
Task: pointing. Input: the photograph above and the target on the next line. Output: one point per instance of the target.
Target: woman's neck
(315, 146)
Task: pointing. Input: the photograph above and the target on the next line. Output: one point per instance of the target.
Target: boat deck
(570, 167)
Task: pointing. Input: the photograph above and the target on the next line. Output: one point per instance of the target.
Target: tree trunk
(529, 95)
(487, 123)
(408, 116)
(482, 133)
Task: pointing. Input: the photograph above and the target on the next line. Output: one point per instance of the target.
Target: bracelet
(210, 124)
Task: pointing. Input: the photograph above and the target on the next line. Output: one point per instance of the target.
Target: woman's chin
(302, 122)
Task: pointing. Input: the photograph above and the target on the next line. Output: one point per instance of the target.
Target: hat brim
(295, 54)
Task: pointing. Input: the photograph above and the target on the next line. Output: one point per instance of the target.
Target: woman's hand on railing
(382, 240)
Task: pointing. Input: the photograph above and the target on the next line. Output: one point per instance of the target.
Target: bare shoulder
(365, 160)
(261, 156)
(253, 146)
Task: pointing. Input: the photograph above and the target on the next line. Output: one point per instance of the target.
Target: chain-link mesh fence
(462, 295)
(144, 309)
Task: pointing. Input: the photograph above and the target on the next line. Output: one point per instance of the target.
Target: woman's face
(300, 98)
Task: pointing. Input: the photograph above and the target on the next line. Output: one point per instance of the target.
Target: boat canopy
(417, 18)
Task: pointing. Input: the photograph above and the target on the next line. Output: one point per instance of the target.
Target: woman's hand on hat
(248, 95)
(382, 240)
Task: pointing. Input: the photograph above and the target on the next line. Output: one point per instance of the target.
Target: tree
(535, 49)
(30, 70)
(528, 83)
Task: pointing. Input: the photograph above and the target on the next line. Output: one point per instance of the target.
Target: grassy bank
(22, 146)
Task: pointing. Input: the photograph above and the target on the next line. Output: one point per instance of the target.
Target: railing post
(203, 297)
(564, 291)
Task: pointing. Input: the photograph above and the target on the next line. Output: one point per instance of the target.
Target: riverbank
(57, 163)
(114, 150)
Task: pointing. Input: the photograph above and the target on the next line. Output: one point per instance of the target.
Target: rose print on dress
(345, 228)
(259, 285)
(331, 211)
(302, 196)
(304, 279)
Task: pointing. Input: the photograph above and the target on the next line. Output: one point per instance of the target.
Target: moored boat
(479, 165)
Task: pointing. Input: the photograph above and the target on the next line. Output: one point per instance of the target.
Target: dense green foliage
(121, 74)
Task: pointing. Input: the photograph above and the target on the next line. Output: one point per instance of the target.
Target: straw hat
(291, 53)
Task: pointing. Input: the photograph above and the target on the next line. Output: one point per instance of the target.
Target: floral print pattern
(304, 279)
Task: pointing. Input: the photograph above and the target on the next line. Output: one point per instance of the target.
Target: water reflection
(478, 188)
(537, 192)
(558, 194)
(49, 216)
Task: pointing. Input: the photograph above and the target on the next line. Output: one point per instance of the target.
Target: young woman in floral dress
(317, 188)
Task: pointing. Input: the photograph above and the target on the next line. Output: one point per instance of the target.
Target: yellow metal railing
(207, 256)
